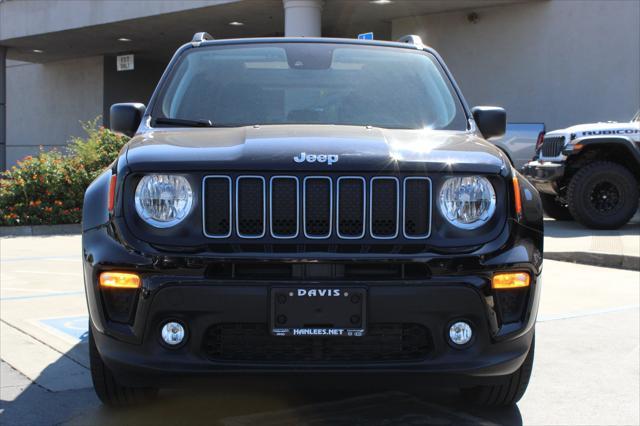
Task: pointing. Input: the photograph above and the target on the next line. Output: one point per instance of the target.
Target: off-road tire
(554, 209)
(507, 393)
(589, 181)
(109, 391)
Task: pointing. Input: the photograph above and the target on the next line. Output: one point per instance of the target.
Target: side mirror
(125, 118)
(491, 121)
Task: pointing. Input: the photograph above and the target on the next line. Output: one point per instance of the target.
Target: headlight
(467, 202)
(163, 200)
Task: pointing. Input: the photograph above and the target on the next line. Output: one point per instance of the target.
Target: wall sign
(124, 62)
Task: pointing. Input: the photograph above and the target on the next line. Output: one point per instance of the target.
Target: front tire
(109, 391)
(603, 195)
(507, 393)
(554, 209)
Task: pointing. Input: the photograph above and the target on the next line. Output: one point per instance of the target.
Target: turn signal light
(119, 280)
(508, 280)
(516, 194)
(112, 194)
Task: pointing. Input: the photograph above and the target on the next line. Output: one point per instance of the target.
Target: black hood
(348, 148)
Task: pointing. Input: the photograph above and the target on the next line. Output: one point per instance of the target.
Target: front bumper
(544, 175)
(137, 357)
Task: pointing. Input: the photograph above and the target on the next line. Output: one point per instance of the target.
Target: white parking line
(34, 290)
(71, 274)
(545, 318)
(42, 259)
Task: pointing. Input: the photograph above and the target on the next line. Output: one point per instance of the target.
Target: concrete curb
(40, 230)
(618, 261)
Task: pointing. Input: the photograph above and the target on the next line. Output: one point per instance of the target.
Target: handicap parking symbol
(76, 327)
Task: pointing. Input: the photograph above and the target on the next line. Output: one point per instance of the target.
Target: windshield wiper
(182, 122)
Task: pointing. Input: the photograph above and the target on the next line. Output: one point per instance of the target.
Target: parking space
(586, 368)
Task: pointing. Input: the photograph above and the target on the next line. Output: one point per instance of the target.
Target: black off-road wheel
(603, 195)
(109, 391)
(508, 392)
(554, 209)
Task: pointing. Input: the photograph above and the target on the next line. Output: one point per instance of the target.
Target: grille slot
(552, 146)
(417, 207)
(217, 216)
(284, 207)
(318, 206)
(384, 206)
(250, 206)
(249, 342)
(351, 207)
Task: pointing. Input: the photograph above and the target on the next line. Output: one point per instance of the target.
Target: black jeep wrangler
(311, 206)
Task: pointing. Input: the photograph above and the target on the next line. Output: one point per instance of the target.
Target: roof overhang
(158, 35)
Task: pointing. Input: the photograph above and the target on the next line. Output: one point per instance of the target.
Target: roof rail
(412, 39)
(200, 37)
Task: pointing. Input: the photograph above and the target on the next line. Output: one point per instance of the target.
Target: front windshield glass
(311, 83)
(636, 117)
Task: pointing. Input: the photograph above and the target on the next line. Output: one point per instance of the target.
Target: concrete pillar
(3, 108)
(302, 18)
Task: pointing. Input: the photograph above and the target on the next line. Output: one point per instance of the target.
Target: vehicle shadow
(569, 241)
(571, 229)
(251, 400)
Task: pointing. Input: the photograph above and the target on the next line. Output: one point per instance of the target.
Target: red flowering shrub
(49, 188)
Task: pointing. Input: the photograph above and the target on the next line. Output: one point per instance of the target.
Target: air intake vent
(318, 205)
(384, 207)
(251, 342)
(251, 205)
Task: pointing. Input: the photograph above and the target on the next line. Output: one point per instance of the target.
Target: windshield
(636, 117)
(311, 83)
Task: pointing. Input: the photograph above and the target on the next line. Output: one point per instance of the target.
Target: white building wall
(59, 93)
(23, 18)
(559, 62)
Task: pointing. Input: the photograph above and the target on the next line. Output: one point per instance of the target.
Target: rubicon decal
(320, 158)
(611, 132)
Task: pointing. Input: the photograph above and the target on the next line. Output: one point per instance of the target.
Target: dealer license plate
(318, 311)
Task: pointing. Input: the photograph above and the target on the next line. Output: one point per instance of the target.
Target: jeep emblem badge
(320, 158)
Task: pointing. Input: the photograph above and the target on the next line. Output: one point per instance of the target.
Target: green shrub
(49, 188)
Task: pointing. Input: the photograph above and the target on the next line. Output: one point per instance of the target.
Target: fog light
(173, 333)
(460, 333)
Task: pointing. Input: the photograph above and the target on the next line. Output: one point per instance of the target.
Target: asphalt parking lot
(586, 369)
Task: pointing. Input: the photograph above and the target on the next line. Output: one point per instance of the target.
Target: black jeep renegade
(310, 205)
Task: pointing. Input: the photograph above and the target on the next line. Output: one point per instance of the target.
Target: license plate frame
(318, 312)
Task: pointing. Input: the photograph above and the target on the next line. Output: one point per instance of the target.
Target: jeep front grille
(317, 207)
(552, 146)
